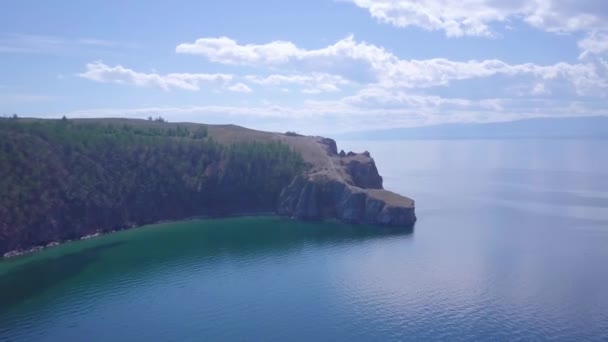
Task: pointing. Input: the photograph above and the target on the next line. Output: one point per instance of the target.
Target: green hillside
(63, 179)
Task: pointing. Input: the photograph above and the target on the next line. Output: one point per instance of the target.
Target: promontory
(69, 178)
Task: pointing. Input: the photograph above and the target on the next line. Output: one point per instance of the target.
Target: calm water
(511, 244)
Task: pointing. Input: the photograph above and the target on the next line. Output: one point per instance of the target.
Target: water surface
(511, 244)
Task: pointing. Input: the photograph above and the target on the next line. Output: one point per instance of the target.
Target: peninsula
(70, 178)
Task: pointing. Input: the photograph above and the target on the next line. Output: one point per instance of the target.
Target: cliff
(65, 179)
(344, 186)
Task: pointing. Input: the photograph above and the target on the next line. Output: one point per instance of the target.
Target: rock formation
(347, 187)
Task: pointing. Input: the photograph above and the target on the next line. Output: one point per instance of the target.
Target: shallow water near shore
(511, 244)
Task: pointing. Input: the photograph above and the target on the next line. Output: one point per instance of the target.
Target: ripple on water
(492, 260)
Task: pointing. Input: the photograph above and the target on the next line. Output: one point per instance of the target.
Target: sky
(315, 66)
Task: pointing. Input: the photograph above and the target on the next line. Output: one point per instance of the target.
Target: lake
(511, 244)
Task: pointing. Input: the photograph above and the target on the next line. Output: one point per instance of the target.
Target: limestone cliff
(344, 186)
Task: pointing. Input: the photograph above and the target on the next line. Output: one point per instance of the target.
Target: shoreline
(23, 252)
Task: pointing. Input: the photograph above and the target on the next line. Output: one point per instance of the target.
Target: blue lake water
(511, 244)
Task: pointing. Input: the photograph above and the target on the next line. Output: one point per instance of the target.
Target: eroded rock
(348, 188)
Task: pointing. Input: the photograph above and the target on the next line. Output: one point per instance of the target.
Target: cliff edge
(341, 185)
(345, 186)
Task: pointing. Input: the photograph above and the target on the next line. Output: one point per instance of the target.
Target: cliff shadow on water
(142, 252)
(32, 278)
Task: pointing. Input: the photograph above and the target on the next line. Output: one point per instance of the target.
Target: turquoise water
(511, 244)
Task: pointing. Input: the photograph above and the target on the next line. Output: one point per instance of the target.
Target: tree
(200, 133)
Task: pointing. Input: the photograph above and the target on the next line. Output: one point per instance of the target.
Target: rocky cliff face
(347, 187)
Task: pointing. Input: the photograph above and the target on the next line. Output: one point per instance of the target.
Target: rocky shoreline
(20, 252)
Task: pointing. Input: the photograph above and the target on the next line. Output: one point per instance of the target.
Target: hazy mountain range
(595, 127)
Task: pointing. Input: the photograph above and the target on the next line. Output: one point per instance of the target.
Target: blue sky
(316, 66)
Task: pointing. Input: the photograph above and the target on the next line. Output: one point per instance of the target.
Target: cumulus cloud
(400, 91)
(387, 69)
(586, 79)
(374, 97)
(477, 17)
(365, 110)
(594, 44)
(313, 83)
(240, 88)
(539, 89)
(100, 72)
(228, 51)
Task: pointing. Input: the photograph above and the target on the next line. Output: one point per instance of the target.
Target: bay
(511, 244)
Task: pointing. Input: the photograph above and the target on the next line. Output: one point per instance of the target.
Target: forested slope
(64, 179)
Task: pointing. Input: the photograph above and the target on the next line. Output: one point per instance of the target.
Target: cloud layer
(352, 80)
(480, 17)
(100, 72)
(385, 68)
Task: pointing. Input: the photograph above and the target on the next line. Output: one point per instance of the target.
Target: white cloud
(385, 109)
(586, 79)
(349, 57)
(314, 83)
(477, 17)
(228, 51)
(100, 72)
(525, 90)
(378, 97)
(540, 89)
(240, 88)
(321, 88)
(369, 108)
(594, 44)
